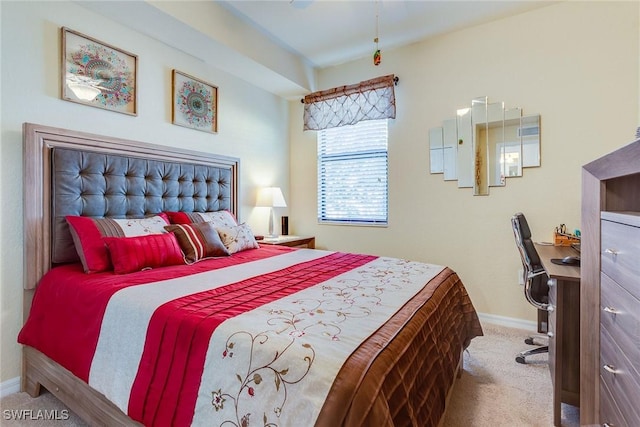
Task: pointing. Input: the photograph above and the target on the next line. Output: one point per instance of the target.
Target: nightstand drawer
(620, 254)
(291, 241)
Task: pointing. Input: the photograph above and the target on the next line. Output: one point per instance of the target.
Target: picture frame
(98, 74)
(194, 103)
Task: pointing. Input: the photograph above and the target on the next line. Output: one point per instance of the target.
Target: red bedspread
(175, 344)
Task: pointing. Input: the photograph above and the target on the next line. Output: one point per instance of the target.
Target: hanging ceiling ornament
(377, 56)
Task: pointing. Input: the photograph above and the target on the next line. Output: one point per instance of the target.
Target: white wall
(574, 63)
(253, 125)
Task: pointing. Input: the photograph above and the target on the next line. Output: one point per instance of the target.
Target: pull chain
(377, 56)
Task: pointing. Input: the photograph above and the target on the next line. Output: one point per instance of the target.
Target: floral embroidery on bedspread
(281, 362)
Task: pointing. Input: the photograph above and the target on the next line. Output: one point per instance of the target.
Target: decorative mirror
(484, 145)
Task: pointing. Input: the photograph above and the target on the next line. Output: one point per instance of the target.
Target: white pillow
(237, 238)
(218, 218)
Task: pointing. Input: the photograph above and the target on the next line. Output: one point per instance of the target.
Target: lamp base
(271, 234)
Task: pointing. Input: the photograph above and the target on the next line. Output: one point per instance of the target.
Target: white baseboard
(9, 387)
(510, 322)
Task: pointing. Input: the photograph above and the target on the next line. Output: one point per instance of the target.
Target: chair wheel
(520, 359)
(529, 341)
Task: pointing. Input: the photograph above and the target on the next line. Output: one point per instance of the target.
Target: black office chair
(536, 290)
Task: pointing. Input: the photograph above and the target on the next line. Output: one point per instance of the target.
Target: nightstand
(292, 241)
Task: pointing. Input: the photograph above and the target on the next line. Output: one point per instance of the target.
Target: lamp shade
(271, 197)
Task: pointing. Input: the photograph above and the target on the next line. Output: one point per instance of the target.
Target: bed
(135, 312)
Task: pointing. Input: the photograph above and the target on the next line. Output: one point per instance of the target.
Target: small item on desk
(568, 260)
(562, 238)
(259, 237)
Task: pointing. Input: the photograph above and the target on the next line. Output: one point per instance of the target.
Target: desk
(564, 327)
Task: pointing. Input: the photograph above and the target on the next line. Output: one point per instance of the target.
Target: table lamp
(271, 197)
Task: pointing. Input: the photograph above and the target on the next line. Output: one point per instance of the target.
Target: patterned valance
(347, 105)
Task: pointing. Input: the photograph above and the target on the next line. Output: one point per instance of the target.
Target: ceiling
(278, 45)
(330, 32)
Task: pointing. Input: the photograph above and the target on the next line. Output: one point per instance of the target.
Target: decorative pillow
(130, 254)
(198, 241)
(219, 218)
(88, 234)
(238, 238)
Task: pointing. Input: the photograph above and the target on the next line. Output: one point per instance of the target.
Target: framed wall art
(97, 74)
(194, 103)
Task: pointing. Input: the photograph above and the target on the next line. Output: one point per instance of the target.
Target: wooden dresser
(620, 319)
(610, 290)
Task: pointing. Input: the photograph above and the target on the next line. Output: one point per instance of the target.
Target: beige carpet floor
(494, 390)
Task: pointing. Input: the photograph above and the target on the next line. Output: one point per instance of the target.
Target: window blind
(352, 173)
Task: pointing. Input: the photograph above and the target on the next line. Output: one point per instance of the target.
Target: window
(352, 174)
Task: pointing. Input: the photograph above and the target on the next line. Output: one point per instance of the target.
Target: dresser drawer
(609, 412)
(620, 315)
(620, 254)
(619, 378)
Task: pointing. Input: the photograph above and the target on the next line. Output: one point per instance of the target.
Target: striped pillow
(198, 241)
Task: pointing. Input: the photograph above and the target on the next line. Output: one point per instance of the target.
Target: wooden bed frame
(39, 142)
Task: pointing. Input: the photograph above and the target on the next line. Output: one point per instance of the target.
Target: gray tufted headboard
(107, 185)
(74, 173)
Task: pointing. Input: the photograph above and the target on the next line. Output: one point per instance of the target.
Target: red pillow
(129, 254)
(181, 217)
(88, 234)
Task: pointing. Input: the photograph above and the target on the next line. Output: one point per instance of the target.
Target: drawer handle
(550, 334)
(613, 252)
(610, 310)
(610, 368)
